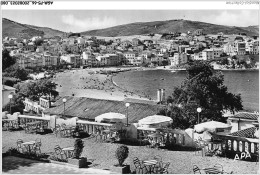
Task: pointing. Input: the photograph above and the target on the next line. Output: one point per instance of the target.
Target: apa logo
(244, 155)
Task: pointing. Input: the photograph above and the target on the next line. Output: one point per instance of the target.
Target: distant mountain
(14, 29)
(160, 27)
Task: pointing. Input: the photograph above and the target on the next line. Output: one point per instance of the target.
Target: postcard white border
(138, 5)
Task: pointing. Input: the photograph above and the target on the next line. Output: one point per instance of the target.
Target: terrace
(101, 154)
(146, 140)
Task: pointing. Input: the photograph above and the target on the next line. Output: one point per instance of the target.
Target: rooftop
(247, 133)
(246, 115)
(7, 88)
(89, 108)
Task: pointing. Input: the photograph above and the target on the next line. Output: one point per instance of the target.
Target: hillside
(142, 28)
(14, 29)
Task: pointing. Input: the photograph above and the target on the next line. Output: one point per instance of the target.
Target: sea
(146, 83)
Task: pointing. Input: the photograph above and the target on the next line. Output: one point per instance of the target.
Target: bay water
(146, 83)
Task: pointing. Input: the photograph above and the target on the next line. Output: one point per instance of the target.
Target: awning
(111, 117)
(155, 119)
(210, 126)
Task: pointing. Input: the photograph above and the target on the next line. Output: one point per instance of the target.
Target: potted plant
(121, 154)
(77, 160)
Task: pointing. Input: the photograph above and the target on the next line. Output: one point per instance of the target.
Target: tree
(35, 89)
(38, 42)
(203, 87)
(16, 72)
(7, 60)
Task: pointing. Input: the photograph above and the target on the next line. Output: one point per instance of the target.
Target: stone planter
(125, 169)
(81, 162)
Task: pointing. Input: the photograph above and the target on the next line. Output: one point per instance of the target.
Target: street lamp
(127, 105)
(64, 100)
(199, 110)
(10, 96)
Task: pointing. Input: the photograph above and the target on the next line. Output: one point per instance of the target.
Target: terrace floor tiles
(16, 165)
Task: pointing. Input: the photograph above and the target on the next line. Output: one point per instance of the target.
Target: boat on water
(173, 71)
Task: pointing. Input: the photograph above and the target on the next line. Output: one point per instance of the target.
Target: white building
(217, 52)
(81, 40)
(243, 120)
(71, 59)
(197, 56)
(137, 60)
(178, 58)
(252, 47)
(240, 48)
(129, 56)
(207, 54)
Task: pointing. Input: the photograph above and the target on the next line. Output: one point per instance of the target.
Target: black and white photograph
(145, 87)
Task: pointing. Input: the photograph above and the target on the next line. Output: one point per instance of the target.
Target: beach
(92, 84)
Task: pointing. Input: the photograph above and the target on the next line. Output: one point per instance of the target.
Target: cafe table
(31, 124)
(68, 151)
(9, 122)
(29, 145)
(149, 165)
(212, 170)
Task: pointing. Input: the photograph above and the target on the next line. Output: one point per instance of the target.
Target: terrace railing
(91, 127)
(239, 144)
(169, 135)
(23, 119)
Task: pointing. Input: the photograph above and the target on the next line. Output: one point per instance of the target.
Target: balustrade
(239, 144)
(173, 137)
(91, 127)
(23, 119)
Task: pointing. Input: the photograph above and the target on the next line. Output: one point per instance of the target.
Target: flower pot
(125, 169)
(81, 162)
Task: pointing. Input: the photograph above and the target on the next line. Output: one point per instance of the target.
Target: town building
(240, 48)
(243, 120)
(207, 54)
(178, 58)
(72, 59)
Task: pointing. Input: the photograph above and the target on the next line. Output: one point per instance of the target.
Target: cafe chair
(56, 130)
(196, 169)
(26, 129)
(20, 146)
(164, 169)
(159, 164)
(59, 152)
(139, 167)
(219, 167)
(37, 147)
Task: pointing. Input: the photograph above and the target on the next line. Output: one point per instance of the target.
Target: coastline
(93, 84)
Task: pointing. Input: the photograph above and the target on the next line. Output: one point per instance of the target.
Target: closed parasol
(155, 119)
(111, 117)
(155, 135)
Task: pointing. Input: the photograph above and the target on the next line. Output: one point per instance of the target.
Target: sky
(84, 20)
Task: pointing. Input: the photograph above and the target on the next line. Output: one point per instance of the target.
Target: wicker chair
(159, 164)
(219, 167)
(138, 166)
(196, 169)
(37, 146)
(20, 146)
(200, 145)
(58, 151)
(56, 130)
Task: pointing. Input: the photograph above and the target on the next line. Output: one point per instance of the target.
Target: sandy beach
(91, 83)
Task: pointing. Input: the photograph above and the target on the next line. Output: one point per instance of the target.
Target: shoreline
(94, 83)
(82, 83)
